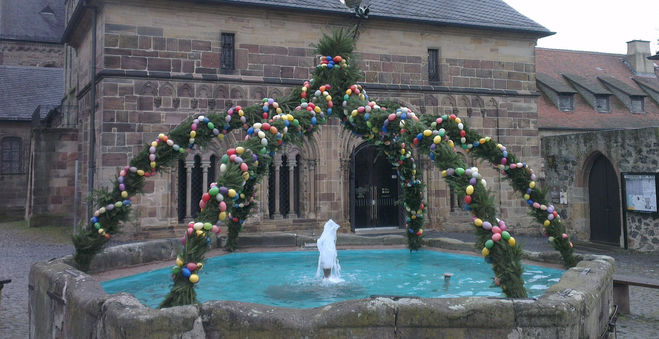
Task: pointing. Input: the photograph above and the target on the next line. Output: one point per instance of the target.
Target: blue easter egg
(186, 272)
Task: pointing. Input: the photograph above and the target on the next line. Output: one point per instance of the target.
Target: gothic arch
(237, 92)
(203, 91)
(275, 93)
(478, 104)
(257, 93)
(221, 92)
(148, 88)
(166, 90)
(185, 90)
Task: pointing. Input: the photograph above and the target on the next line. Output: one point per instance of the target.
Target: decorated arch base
(396, 131)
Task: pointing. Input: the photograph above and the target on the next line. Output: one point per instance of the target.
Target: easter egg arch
(333, 92)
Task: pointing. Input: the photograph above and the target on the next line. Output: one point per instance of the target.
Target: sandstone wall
(159, 62)
(568, 161)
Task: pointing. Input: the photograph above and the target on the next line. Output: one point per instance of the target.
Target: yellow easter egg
(222, 216)
(511, 241)
(532, 184)
(547, 223)
(427, 133)
(179, 262)
(437, 139)
(478, 222)
(232, 193)
(124, 194)
(240, 150)
(444, 174)
(485, 251)
(457, 120)
(194, 278)
(193, 134)
(470, 190)
(140, 172)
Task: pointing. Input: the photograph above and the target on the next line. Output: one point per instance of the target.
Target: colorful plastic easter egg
(485, 251)
(194, 278)
(511, 241)
(478, 222)
(496, 236)
(489, 244)
(191, 266)
(487, 226)
(179, 262)
(470, 190)
(505, 235)
(186, 272)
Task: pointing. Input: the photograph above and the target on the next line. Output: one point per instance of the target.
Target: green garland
(394, 129)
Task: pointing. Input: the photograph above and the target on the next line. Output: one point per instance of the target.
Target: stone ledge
(65, 302)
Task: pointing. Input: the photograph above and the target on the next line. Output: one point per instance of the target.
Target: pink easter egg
(392, 117)
(191, 266)
(513, 166)
(496, 236)
(215, 229)
(536, 205)
(223, 206)
(564, 236)
(496, 229)
(190, 230)
(243, 167)
(191, 224)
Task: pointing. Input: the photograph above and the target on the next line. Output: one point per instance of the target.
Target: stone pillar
(291, 187)
(304, 189)
(312, 185)
(189, 164)
(277, 163)
(263, 197)
(205, 164)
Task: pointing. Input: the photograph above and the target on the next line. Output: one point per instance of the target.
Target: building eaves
(481, 14)
(650, 87)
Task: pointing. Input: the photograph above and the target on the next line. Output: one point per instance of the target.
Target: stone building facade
(31, 61)
(159, 62)
(570, 161)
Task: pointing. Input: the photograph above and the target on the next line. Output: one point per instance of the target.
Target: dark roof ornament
(361, 8)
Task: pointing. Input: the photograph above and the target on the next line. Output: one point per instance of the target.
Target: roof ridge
(579, 51)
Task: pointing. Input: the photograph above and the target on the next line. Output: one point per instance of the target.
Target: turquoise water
(288, 279)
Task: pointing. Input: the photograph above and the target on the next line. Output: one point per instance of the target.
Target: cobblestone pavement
(20, 247)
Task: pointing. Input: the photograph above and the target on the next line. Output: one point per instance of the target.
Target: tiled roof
(22, 89)
(32, 20)
(493, 14)
(556, 85)
(590, 84)
(629, 90)
(589, 69)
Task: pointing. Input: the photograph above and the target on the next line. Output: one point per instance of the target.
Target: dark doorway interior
(374, 190)
(604, 201)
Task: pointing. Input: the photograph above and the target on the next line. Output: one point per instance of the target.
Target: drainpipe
(92, 111)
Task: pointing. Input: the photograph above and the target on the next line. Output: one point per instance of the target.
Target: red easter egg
(205, 197)
(191, 266)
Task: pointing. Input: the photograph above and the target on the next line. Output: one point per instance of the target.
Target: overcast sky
(594, 25)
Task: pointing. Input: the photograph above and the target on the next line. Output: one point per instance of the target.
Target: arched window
(284, 185)
(11, 155)
(195, 174)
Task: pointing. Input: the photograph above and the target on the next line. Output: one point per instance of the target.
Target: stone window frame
(227, 52)
(602, 103)
(433, 65)
(11, 155)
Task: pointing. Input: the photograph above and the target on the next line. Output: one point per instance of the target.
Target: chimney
(638, 52)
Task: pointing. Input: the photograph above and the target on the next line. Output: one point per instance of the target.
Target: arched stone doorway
(604, 202)
(374, 190)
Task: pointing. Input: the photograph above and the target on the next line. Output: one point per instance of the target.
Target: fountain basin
(65, 302)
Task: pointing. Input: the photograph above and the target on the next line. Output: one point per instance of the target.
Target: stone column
(205, 164)
(277, 163)
(312, 185)
(263, 197)
(189, 164)
(291, 187)
(304, 189)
